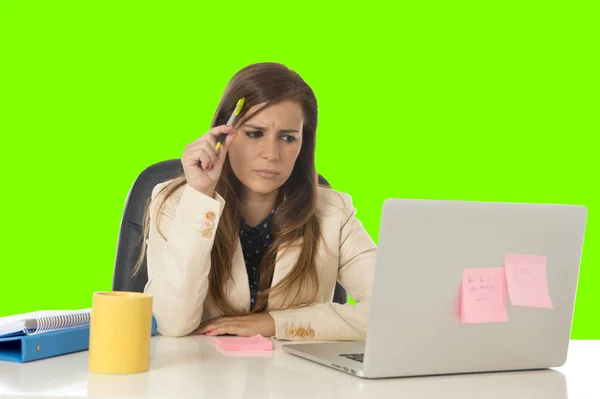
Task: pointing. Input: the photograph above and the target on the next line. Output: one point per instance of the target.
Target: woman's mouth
(267, 173)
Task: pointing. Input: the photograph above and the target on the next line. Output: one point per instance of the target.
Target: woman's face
(264, 152)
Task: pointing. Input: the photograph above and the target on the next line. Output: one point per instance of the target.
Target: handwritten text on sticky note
(526, 280)
(483, 295)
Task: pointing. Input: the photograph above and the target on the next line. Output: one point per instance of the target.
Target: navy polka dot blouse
(255, 242)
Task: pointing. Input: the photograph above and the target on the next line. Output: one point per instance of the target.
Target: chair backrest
(129, 243)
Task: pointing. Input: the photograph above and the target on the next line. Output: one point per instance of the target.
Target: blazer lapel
(284, 263)
(241, 288)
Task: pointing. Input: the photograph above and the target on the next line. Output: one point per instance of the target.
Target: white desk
(191, 367)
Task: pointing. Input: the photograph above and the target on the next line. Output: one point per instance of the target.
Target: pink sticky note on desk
(483, 295)
(527, 281)
(254, 343)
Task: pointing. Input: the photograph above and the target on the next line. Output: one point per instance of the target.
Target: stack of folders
(39, 335)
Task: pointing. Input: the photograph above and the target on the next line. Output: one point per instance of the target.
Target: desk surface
(192, 367)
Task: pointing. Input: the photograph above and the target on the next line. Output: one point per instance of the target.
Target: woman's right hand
(202, 164)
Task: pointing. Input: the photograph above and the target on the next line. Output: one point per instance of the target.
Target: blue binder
(26, 348)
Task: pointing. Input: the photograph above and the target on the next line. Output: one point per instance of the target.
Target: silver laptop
(415, 326)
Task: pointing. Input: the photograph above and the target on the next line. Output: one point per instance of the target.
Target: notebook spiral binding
(59, 322)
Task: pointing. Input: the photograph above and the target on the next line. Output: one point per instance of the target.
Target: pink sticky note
(527, 281)
(483, 295)
(458, 310)
(254, 343)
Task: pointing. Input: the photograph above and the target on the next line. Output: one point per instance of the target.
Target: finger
(208, 142)
(206, 328)
(233, 329)
(210, 150)
(207, 322)
(226, 144)
(211, 139)
(214, 323)
(200, 156)
(211, 136)
(219, 130)
(202, 327)
(209, 147)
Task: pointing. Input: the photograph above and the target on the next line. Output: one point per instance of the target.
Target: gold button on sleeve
(291, 331)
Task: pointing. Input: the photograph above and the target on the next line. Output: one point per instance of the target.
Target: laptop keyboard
(354, 356)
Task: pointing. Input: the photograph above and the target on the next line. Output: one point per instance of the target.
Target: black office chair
(130, 235)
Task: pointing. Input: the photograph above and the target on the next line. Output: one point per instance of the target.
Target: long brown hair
(294, 221)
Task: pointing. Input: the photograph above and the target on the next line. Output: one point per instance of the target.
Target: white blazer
(178, 269)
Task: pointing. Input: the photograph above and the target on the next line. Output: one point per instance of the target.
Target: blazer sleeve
(334, 321)
(179, 264)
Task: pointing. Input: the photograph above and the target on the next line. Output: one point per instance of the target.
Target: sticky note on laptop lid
(254, 343)
(483, 296)
(527, 281)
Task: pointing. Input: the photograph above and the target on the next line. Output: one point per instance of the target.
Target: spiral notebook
(43, 321)
(40, 335)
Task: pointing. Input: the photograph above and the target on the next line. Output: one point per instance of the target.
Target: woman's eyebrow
(280, 130)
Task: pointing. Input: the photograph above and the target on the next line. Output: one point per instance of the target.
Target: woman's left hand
(243, 326)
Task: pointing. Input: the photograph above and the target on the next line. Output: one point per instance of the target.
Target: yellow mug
(120, 332)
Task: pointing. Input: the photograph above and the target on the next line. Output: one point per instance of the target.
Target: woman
(245, 241)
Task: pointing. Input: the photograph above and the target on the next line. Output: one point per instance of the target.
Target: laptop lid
(415, 324)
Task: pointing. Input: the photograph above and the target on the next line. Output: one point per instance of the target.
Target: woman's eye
(288, 138)
(254, 133)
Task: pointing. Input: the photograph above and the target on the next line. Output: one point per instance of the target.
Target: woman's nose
(270, 150)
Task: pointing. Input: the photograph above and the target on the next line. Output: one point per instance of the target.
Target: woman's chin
(263, 188)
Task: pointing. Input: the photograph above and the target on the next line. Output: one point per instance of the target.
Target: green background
(470, 101)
